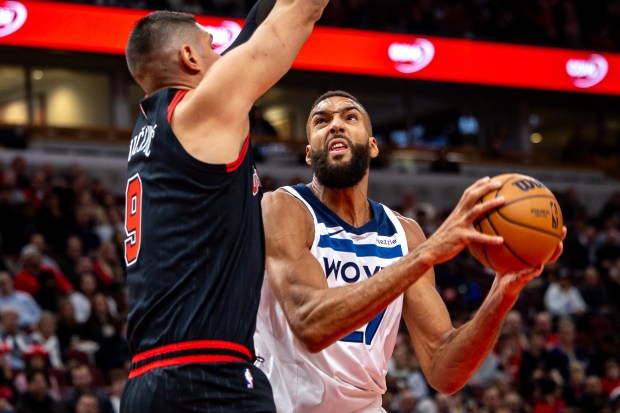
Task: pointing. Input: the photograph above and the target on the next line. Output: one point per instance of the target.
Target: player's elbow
(312, 340)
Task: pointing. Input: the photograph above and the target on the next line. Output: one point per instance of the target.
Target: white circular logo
(12, 16)
(411, 57)
(588, 72)
(224, 34)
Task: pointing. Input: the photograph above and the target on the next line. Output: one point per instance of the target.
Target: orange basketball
(530, 221)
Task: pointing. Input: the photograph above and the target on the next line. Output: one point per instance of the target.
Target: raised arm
(319, 315)
(212, 120)
(448, 356)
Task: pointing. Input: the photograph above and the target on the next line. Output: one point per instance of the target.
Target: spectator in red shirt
(46, 284)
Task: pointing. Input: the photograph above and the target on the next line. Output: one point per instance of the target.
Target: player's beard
(341, 175)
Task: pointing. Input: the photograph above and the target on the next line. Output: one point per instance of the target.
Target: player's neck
(350, 204)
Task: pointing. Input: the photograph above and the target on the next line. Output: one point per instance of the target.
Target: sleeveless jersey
(195, 245)
(349, 375)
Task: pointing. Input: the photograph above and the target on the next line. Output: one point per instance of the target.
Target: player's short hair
(152, 33)
(344, 94)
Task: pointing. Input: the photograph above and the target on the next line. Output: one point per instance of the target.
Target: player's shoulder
(412, 228)
(282, 201)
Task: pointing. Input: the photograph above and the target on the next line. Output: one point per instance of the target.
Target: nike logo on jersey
(142, 141)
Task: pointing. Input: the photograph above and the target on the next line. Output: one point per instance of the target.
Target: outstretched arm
(212, 120)
(255, 17)
(319, 315)
(448, 356)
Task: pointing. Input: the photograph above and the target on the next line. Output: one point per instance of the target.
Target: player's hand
(457, 231)
(559, 249)
(511, 283)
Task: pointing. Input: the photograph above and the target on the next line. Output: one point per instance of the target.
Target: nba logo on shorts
(249, 380)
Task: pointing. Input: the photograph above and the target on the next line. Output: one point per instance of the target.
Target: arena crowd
(63, 308)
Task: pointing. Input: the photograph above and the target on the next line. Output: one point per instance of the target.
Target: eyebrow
(343, 110)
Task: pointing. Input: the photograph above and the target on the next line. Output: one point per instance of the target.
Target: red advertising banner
(105, 30)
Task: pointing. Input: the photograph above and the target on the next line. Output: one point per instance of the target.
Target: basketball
(530, 221)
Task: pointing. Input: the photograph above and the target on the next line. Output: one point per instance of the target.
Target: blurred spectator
(82, 296)
(37, 399)
(594, 399)
(491, 399)
(38, 241)
(68, 331)
(406, 402)
(566, 351)
(562, 298)
(611, 377)
(580, 245)
(50, 221)
(548, 398)
(84, 228)
(44, 283)
(513, 402)
(109, 264)
(105, 329)
(27, 308)
(37, 359)
(536, 360)
(45, 335)
(83, 383)
(543, 324)
(118, 378)
(8, 393)
(609, 250)
(593, 291)
(87, 403)
(511, 343)
(573, 389)
(14, 340)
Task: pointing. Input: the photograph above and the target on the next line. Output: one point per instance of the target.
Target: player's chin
(339, 158)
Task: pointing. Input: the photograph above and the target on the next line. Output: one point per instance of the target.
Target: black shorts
(210, 387)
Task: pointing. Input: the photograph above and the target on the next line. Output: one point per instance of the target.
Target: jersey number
(365, 337)
(133, 219)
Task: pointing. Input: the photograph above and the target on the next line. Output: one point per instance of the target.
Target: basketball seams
(505, 244)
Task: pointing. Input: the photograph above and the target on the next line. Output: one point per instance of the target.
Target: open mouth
(338, 146)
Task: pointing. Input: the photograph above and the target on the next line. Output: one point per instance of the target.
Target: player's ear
(189, 58)
(374, 148)
(309, 155)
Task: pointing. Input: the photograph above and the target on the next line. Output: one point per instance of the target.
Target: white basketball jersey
(349, 375)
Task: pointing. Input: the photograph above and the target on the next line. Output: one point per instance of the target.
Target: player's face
(206, 44)
(340, 143)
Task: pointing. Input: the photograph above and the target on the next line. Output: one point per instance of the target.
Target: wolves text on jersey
(350, 272)
(142, 141)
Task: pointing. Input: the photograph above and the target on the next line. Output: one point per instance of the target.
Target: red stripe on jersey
(192, 345)
(183, 360)
(230, 167)
(174, 102)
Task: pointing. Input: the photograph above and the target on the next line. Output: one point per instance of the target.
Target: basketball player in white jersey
(342, 269)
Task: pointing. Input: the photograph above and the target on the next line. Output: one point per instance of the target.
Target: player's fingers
(484, 207)
(556, 254)
(480, 238)
(481, 187)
